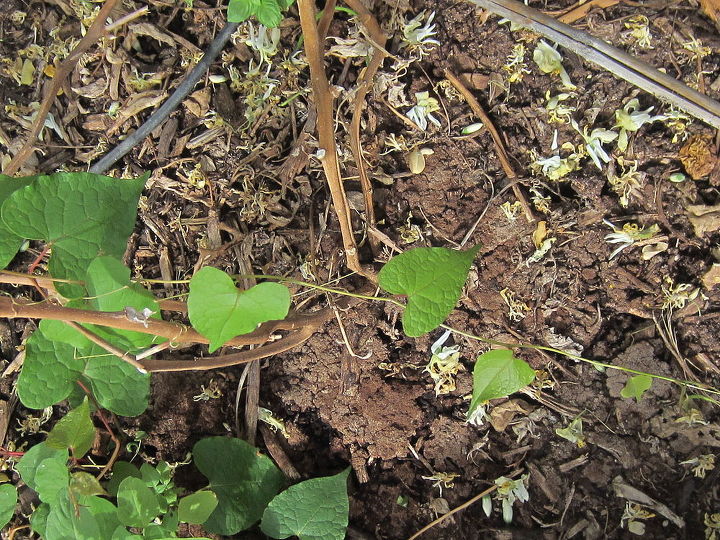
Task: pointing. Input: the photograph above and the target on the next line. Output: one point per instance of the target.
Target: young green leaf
(120, 471)
(636, 386)
(74, 431)
(104, 512)
(9, 241)
(243, 480)
(311, 510)
(8, 500)
(220, 311)
(85, 484)
(137, 503)
(197, 507)
(29, 463)
(81, 215)
(498, 373)
(432, 279)
(38, 519)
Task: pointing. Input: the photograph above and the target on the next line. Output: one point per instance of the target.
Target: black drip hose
(170, 105)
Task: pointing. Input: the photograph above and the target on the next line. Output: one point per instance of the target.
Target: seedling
(573, 432)
(701, 464)
(629, 234)
(633, 518)
(418, 37)
(629, 119)
(422, 111)
(549, 61)
(508, 491)
(640, 31)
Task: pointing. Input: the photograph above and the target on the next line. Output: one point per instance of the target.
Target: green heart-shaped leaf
(220, 311)
(497, 374)
(432, 279)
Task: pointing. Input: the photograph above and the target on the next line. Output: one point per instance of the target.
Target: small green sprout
(508, 491)
(573, 432)
(701, 464)
(678, 122)
(594, 141)
(515, 66)
(630, 119)
(549, 60)
(712, 526)
(677, 296)
(442, 480)
(633, 516)
(558, 113)
(517, 308)
(265, 41)
(472, 128)
(211, 392)
(511, 210)
(677, 177)
(628, 183)
(444, 365)
(628, 235)
(266, 416)
(417, 37)
(422, 111)
(640, 31)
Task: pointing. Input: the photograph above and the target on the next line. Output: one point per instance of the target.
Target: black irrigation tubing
(183, 89)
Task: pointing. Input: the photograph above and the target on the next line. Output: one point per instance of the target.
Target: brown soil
(256, 209)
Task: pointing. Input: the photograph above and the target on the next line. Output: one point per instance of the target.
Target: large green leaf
(241, 10)
(244, 481)
(137, 503)
(8, 500)
(316, 509)
(497, 374)
(49, 371)
(74, 431)
(104, 512)
(9, 241)
(268, 13)
(117, 386)
(81, 215)
(52, 479)
(432, 279)
(110, 289)
(220, 311)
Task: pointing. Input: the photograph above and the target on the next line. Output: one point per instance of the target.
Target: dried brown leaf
(136, 104)
(711, 277)
(150, 30)
(697, 156)
(93, 90)
(503, 414)
(711, 8)
(705, 219)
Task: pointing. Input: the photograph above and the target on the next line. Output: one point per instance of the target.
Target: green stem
(596, 363)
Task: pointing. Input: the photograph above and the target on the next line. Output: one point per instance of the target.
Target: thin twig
(497, 140)
(364, 85)
(109, 347)
(463, 506)
(322, 96)
(614, 60)
(93, 35)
